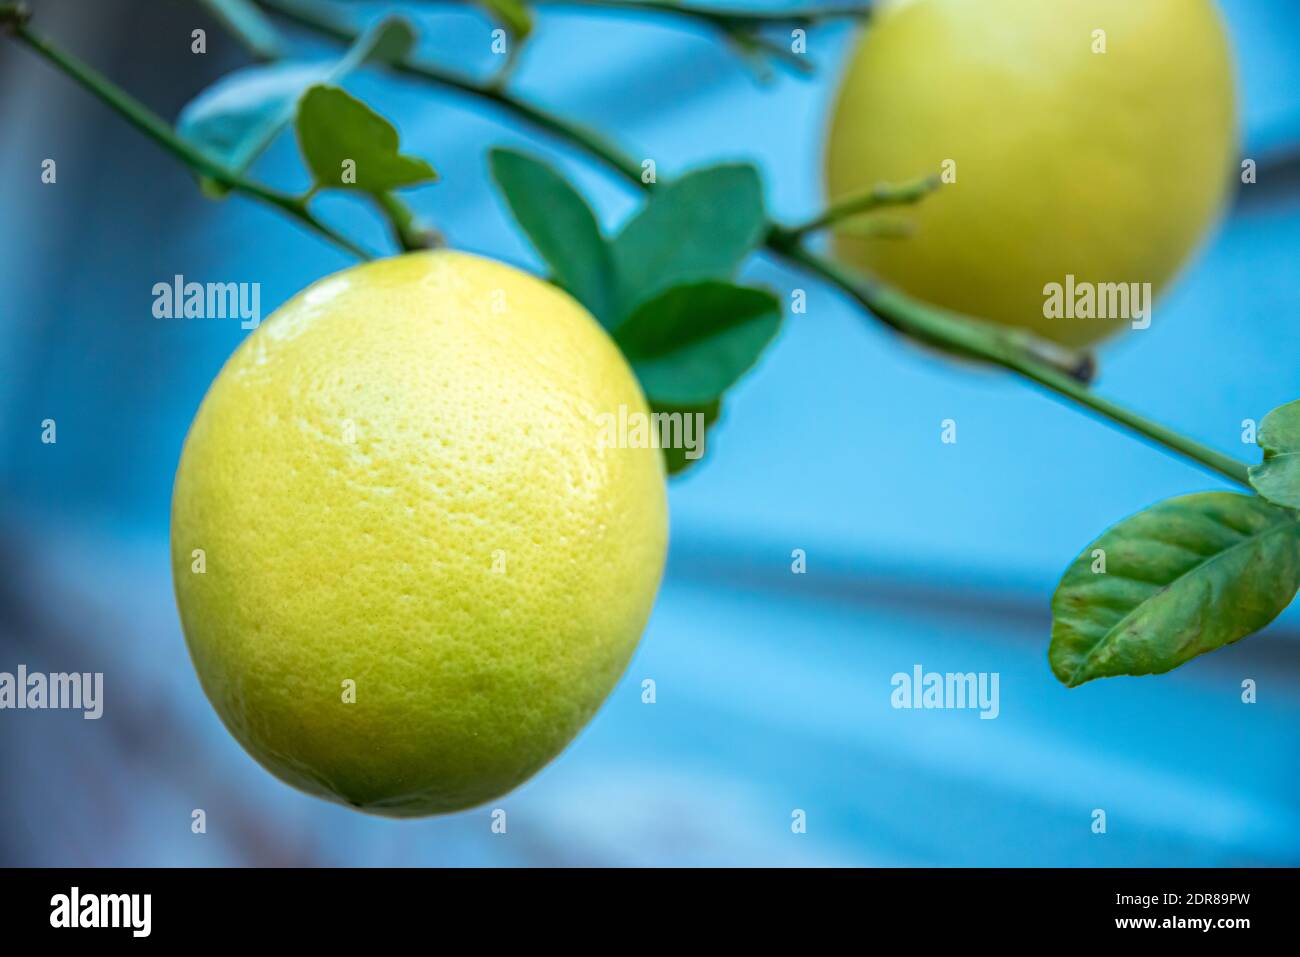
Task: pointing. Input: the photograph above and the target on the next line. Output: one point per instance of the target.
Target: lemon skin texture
(1106, 166)
(398, 487)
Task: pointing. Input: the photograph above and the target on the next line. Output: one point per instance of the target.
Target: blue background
(773, 688)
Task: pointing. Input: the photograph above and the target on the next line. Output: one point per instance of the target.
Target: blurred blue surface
(773, 689)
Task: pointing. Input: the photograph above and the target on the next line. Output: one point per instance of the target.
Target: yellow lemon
(409, 566)
(1085, 144)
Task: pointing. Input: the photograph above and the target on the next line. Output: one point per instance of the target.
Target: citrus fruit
(1091, 139)
(408, 567)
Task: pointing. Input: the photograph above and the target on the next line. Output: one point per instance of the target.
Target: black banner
(332, 906)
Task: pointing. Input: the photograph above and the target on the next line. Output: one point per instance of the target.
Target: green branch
(1055, 368)
(14, 17)
(878, 197)
(1011, 349)
(1046, 364)
(407, 230)
(721, 16)
(744, 29)
(326, 23)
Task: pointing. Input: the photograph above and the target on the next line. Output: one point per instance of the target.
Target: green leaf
(335, 128)
(677, 456)
(236, 118)
(699, 226)
(1277, 478)
(690, 343)
(511, 14)
(561, 225)
(245, 18)
(1186, 576)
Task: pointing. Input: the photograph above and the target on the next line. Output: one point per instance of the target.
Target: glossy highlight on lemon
(407, 569)
(1088, 138)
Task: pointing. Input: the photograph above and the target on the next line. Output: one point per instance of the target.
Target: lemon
(408, 566)
(1091, 139)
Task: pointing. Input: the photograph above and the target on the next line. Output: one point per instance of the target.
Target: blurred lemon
(1091, 139)
(408, 570)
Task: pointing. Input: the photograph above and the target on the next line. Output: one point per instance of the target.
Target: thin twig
(407, 230)
(157, 129)
(878, 197)
(743, 29)
(1010, 349)
(721, 16)
(327, 24)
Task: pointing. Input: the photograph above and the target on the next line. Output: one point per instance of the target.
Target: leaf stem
(409, 231)
(157, 129)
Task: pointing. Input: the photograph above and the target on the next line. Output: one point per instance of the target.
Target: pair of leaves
(699, 227)
(1277, 478)
(237, 118)
(661, 286)
(1182, 578)
(688, 332)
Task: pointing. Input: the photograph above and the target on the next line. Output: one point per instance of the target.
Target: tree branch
(723, 17)
(1055, 368)
(157, 129)
(1010, 349)
(1046, 364)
